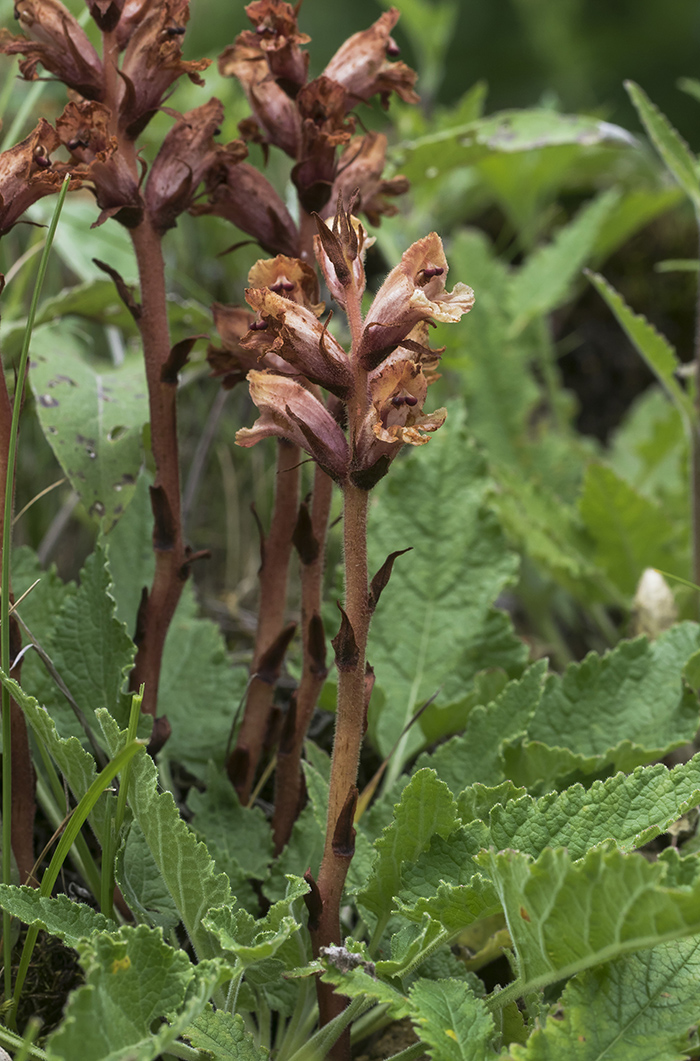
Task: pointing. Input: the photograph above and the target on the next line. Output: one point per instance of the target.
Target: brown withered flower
(324, 128)
(277, 34)
(290, 410)
(84, 130)
(413, 291)
(57, 41)
(340, 248)
(275, 113)
(231, 362)
(295, 334)
(398, 390)
(185, 156)
(363, 65)
(239, 192)
(105, 13)
(27, 174)
(359, 171)
(153, 62)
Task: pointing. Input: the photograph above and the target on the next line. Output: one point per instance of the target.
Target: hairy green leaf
(640, 1006)
(225, 1036)
(441, 611)
(670, 145)
(630, 809)
(565, 916)
(427, 808)
(184, 863)
(132, 980)
(454, 1024)
(60, 916)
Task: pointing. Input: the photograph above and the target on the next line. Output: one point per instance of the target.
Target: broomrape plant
(461, 862)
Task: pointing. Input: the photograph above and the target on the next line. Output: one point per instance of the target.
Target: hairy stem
(276, 550)
(159, 604)
(288, 777)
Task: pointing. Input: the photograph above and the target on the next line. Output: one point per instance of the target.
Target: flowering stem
(158, 606)
(288, 774)
(350, 717)
(276, 551)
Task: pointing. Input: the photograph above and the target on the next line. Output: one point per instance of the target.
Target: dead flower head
(57, 41)
(27, 174)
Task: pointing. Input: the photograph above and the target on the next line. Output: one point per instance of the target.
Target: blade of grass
(77, 819)
(112, 836)
(5, 587)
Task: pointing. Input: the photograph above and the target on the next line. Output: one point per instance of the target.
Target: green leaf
(141, 884)
(199, 690)
(623, 709)
(131, 558)
(92, 418)
(630, 531)
(455, 1025)
(76, 764)
(544, 281)
(185, 865)
(506, 132)
(252, 941)
(445, 590)
(356, 976)
(59, 916)
(475, 755)
(672, 148)
(132, 979)
(90, 648)
(565, 916)
(651, 345)
(304, 850)
(426, 809)
(477, 801)
(630, 809)
(640, 1006)
(225, 1036)
(235, 835)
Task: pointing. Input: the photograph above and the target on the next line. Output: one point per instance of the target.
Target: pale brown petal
(413, 291)
(363, 66)
(288, 410)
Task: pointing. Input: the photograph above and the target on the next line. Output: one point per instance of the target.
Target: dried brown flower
(57, 41)
(27, 174)
(277, 34)
(363, 66)
(359, 170)
(274, 112)
(186, 154)
(153, 62)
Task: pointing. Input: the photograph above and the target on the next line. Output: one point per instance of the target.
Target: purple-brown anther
(27, 174)
(274, 112)
(362, 65)
(186, 154)
(295, 334)
(289, 410)
(57, 41)
(84, 130)
(414, 291)
(359, 171)
(277, 34)
(153, 62)
(232, 362)
(290, 277)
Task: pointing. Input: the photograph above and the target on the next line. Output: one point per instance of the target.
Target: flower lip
(414, 291)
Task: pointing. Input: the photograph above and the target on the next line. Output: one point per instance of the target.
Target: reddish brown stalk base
(158, 606)
(276, 551)
(349, 731)
(288, 776)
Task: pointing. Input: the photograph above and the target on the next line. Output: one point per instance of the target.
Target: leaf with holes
(92, 416)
